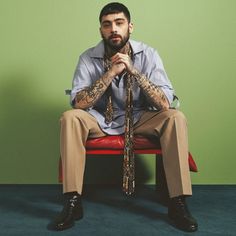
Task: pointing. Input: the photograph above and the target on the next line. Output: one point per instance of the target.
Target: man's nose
(113, 28)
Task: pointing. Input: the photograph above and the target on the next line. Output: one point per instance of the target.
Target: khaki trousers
(169, 127)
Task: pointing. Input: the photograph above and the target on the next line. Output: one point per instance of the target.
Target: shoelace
(73, 201)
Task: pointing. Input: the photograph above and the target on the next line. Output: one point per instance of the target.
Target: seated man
(120, 86)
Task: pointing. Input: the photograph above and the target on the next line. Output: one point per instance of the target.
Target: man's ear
(100, 31)
(131, 27)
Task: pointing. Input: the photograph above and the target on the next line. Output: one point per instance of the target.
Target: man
(98, 96)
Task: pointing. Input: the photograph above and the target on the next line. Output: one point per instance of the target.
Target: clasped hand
(121, 62)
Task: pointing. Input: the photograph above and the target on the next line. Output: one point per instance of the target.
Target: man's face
(115, 30)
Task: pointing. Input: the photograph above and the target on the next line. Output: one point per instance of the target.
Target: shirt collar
(98, 51)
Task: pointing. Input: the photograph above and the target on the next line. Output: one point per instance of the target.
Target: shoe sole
(179, 226)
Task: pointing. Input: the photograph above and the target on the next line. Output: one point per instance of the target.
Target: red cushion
(114, 144)
(192, 164)
(117, 142)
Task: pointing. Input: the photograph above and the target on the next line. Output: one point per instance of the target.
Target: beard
(116, 46)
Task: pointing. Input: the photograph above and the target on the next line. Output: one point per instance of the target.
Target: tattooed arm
(154, 93)
(89, 96)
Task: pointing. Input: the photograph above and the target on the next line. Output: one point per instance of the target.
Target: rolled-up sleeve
(82, 78)
(156, 73)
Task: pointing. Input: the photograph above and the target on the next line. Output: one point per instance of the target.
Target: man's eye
(119, 23)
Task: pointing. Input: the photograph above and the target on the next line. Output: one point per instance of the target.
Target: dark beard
(116, 47)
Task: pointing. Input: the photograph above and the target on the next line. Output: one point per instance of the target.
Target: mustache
(115, 36)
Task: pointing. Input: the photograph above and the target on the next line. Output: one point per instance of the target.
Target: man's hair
(114, 7)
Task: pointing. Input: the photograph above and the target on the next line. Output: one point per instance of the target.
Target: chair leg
(161, 184)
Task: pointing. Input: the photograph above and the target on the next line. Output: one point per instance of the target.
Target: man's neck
(111, 52)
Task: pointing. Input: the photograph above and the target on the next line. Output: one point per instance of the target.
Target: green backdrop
(39, 47)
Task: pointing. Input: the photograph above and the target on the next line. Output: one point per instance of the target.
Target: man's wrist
(133, 71)
(138, 76)
(110, 73)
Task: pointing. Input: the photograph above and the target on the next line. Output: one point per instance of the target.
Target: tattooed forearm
(89, 96)
(153, 92)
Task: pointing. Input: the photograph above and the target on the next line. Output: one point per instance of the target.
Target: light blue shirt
(91, 67)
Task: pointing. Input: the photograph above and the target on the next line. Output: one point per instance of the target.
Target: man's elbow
(166, 104)
(79, 105)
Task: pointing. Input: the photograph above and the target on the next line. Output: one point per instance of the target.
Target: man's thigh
(152, 122)
(87, 120)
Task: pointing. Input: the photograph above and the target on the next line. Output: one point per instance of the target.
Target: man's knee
(72, 114)
(172, 115)
(176, 114)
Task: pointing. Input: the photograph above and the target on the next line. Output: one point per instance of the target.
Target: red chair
(114, 145)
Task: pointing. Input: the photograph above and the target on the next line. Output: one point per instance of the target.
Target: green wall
(39, 47)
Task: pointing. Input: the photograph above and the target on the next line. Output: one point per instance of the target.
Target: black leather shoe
(72, 211)
(178, 212)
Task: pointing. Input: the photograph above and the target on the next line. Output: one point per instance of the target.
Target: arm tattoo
(154, 93)
(89, 96)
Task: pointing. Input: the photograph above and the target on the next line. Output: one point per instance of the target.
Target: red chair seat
(114, 145)
(117, 142)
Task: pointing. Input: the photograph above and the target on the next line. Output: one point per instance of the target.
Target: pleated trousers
(169, 127)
